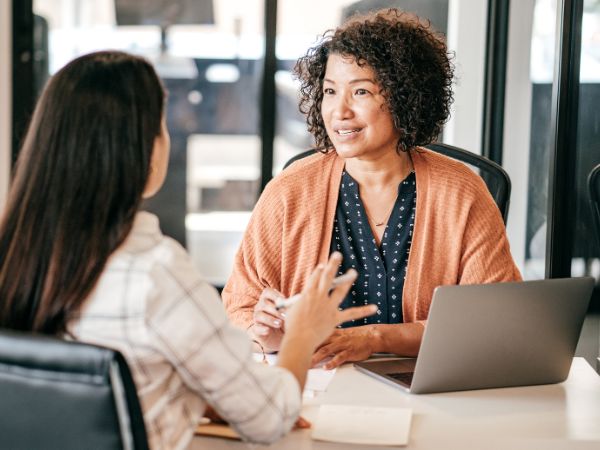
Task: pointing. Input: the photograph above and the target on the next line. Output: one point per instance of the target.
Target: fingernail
(282, 315)
(277, 322)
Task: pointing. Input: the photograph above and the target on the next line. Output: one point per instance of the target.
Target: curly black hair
(412, 67)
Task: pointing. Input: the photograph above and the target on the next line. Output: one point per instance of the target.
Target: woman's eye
(328, 91)
(361, 92)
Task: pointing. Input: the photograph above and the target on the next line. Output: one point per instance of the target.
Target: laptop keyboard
(403, 377)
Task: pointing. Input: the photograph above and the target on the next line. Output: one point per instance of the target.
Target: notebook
(492, 336)
(365, 425)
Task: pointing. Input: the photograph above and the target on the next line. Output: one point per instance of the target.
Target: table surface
(557, 416)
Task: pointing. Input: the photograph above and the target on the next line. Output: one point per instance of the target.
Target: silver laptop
(493, 335)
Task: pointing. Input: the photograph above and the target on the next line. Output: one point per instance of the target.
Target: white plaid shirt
(152, 305)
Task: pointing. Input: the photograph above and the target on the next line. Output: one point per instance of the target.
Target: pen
(283, 303)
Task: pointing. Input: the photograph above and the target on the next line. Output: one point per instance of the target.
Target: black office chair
(495, 177)
(64, 395)
(594, 191)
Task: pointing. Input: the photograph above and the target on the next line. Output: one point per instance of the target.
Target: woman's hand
(348, 344)
(312, 318)
(268, 326)
(317, 311)
(214, 417)
(302, 424)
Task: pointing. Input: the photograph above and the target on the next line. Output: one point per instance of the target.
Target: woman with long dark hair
(78, 260)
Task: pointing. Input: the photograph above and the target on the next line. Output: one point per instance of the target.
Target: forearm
(296, 355)
(402, 339)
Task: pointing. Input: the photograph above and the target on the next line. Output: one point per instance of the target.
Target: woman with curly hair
(374, 91)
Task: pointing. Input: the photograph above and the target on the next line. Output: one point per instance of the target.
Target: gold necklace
(382, 222)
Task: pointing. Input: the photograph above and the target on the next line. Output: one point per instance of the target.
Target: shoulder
(308, 168)
(159, 259)
(448, 174)
(302, 179)
(314, 161)
(147, 246)
(151, 286)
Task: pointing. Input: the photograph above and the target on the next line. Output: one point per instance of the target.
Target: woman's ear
(159, 162)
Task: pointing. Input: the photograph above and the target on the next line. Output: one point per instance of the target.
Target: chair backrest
(594, 191)
(66, 395)
(495, 177)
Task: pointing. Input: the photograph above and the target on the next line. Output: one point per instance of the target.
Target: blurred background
(234, 121)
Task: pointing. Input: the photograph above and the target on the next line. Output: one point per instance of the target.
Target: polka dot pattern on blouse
(381, 269)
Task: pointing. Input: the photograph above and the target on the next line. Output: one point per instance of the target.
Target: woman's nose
(342, 109)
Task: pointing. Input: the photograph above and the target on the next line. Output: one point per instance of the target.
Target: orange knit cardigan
(459, 236)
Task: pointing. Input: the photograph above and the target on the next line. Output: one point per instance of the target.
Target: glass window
(586, 251)
(586, 243)
(209, 54)
(527, 134)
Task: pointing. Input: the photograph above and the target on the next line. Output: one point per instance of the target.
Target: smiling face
(355, 112)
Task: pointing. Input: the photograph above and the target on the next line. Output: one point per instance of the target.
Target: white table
(560, 416)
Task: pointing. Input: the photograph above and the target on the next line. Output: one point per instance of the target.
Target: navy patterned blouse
(381, 269)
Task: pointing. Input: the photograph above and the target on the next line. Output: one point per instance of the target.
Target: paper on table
(363, 425)
(317, 379)
(269, 358)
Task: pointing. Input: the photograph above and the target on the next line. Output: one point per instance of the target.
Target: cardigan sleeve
(485, 253)
(459, 235)
(257, 263)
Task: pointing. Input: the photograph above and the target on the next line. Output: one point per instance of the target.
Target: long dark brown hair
(78, 183)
